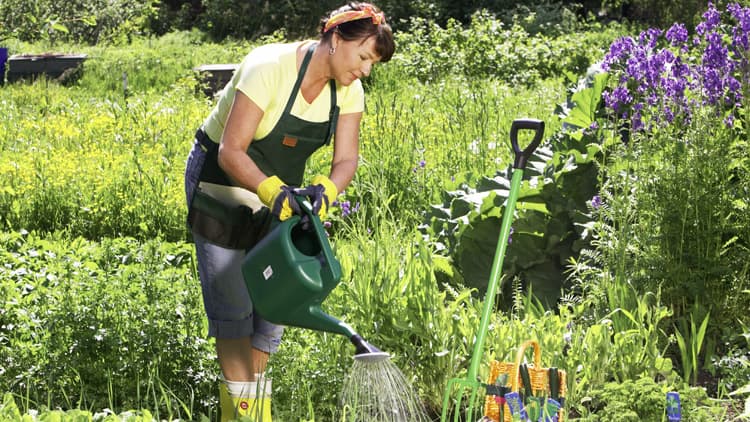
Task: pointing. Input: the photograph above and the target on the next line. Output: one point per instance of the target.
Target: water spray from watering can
(291, 271)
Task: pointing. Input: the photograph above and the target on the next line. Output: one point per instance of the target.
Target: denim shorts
(227, 303)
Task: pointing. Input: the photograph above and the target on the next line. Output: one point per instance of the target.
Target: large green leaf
(586, 102)
(551, 216)
(547, 226)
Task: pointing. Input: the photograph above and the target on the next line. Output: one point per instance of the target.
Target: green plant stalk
(690, 352)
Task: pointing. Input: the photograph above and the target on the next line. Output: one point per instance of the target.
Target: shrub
(686, 106)
(644, 399)
(488, 48)
(672, 206)
(76, 20)
(96, 325)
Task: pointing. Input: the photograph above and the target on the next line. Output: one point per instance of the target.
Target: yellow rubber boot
(253, 399)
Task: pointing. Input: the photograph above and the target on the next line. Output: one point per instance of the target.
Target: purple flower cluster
(596, 202)
(742, 29)
(660, 82)
(677, 36)
(346, 207)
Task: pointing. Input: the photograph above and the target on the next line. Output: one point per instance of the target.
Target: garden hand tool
(471, 383)
(291, 271)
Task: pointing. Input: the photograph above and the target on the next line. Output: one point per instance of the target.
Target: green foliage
(551, 18)
(99, 325)
(394, 298)
(644, 399)
(99, 166)
(663, 13)
(669, 216)
(249, 19)
(488, 47)
(584, 104)
(671, 219)
(621, 344)
(733, 368)
(307, 374)
(690, 343)
(151, 127)
(252, 19)
(76, 20)
(10, 412)
(454, 132)
(108, 158)
(88, 160)
(544, 233)
(550, 226)
(117, 21)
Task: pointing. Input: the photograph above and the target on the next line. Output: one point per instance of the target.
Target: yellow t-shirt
(267, 75)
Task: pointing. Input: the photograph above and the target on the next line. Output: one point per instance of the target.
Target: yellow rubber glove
(273, 195)
(330, 192)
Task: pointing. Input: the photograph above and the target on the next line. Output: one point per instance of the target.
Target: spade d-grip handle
(522, 156)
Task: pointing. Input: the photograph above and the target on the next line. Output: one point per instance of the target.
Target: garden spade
(470, 386)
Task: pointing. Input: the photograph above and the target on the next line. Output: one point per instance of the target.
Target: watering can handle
(307, 208)
(522, 156)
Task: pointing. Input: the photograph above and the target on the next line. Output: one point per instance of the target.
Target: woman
(284, 102)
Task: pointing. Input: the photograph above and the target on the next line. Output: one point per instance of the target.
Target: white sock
(261, 387)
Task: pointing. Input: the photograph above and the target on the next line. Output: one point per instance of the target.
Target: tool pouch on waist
(233, 227)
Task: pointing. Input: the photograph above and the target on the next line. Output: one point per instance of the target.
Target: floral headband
(367, 12)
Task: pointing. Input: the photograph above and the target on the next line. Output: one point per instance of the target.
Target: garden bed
(61, 67)
(214, 77)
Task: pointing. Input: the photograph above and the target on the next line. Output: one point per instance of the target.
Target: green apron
(283, 153)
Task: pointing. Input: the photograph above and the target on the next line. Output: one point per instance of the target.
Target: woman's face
(353, 59)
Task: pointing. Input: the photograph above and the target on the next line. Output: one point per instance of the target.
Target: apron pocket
(232, 227)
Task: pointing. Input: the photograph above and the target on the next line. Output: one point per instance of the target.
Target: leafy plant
(106, 325)
(491, 48)
(682, 102)
(690, 344)
(74, 21)
(552, 215)
(644, 399)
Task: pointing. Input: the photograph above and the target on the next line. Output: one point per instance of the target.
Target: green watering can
(291, 271)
